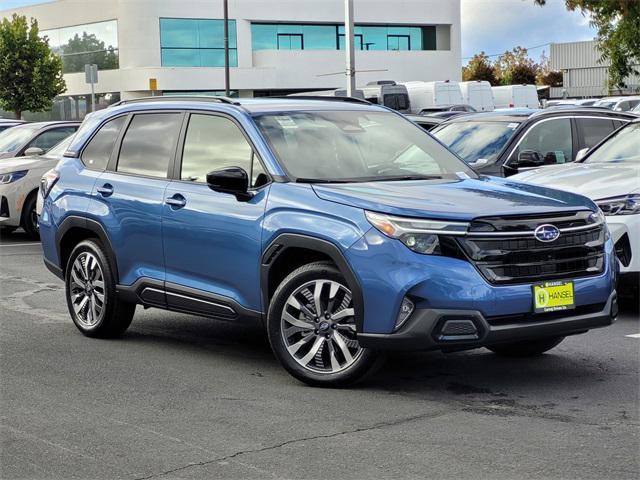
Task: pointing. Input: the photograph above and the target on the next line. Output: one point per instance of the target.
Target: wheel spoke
(297, 322)
(316, 297)
(335, 365)
(337, 337)
(314, 349)
(345, 312)
(78, 307)
(294, 302)
(303, 341)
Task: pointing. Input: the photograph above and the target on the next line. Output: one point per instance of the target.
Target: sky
(494, 26)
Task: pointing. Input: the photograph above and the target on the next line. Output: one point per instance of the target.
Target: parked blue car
(341, 226)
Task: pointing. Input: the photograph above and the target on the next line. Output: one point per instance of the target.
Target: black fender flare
(95, 227)
(293, 240)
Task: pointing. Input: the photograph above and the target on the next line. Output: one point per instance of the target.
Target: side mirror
(33, 151)
(529, 158)
(581, 154)
(233, 180)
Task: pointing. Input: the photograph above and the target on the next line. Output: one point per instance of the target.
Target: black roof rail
(320, 97)
(189, 98)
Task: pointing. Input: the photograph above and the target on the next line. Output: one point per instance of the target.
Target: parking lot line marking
(18, 244)
(633, 335)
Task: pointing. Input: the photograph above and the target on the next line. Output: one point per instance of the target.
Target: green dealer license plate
(553, 297)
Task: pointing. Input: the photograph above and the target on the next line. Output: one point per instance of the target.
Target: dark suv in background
(505, 142)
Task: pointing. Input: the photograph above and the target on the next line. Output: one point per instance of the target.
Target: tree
(515, 66)
(479, 68)
(85, 49)
(618, 24)
(547, 76)
(30, 74)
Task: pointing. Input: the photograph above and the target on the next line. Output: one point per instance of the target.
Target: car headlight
(622, 205)
(12, 176)
(419, 235)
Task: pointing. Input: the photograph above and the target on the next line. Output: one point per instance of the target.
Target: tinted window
(550, 140)
(396, 101)
(51, 137)
(149, 144)
(97, 153)
(189, 42)
(213, 143)
(476, 140)
(594, 129)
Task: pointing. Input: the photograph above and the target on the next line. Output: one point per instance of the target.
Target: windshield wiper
(392, 178)
(322, 180)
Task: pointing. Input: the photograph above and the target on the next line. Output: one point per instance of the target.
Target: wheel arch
(306, 249)
(75, 229)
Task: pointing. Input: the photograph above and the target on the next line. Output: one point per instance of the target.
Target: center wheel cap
(324, 326)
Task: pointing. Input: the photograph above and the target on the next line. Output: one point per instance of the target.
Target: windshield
(608, 105)
(59, 149)
(476, 139)
(14, 138)
(624, 146)
(356, 146)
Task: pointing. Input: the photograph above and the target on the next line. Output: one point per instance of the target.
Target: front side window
(214, 143)
(48, 139)
(476, 140)
(149, 144)
(547, 143)
(190, 42)
(356, 146)
(624, 146)
(97, 153)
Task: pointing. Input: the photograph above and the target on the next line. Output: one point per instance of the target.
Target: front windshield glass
(624, 146)
(14, 138)
(475, 140)
(61, 147)
(608, 105)
(356, 146)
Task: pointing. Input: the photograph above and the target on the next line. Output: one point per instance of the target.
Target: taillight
(47, 182)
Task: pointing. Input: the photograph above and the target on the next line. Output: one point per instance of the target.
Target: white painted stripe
(27, 244)
(635, 335)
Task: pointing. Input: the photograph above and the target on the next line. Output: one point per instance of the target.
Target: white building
(582, 73)
(277, 46)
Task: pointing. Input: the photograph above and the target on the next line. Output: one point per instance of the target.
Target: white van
(478, 94)
(426, 95)
(516, 96)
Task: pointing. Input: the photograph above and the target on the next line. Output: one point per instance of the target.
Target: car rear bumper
(447, 330)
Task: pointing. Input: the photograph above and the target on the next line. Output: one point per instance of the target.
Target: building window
(284, 36)
(85, 44)
(188, 42)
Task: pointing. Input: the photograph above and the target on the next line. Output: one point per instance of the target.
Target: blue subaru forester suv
(341, 226)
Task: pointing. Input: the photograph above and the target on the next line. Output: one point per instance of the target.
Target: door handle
(105, 190)
(176, 201)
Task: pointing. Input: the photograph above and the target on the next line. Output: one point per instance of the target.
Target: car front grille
(506, 251)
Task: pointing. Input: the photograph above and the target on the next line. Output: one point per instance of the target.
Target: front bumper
(625, 233)
(450, 330)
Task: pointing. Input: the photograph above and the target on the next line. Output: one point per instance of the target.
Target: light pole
(348, 39)
(226, 47)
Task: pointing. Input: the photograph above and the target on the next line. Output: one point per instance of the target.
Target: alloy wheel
(87, 289)
(318, 327)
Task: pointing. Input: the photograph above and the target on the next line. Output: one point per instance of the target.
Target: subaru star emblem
(546, 233)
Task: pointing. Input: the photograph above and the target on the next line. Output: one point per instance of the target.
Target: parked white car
(19, 184)
(619, 104)
(610, 175)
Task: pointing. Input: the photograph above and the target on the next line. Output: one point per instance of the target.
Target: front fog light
(406, 309)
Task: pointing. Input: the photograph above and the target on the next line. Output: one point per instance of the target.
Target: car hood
(463, 199)
(595, 180)
(26, 163)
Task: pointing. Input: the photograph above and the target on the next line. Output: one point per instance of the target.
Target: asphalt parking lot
(185, 397)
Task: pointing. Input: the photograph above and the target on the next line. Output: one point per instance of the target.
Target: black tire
(115, 315)
(363, 359)
(29, 219)
(529, 348)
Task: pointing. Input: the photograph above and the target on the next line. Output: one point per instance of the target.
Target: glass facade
(191, 42)
(84, 44)
(283, 36)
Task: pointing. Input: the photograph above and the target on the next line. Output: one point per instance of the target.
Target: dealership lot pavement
(185, 397)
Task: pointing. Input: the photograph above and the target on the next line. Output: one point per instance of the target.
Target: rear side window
(396, 101)
(97, 153)
(594, 129)
(149, 144)
(51, 137)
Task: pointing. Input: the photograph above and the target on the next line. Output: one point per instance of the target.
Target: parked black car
(504, 142)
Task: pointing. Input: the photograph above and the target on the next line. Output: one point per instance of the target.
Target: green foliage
(546, 76)
(515, 67)
(618, 24)
(30, 74)
(479, 68)
(87, 49)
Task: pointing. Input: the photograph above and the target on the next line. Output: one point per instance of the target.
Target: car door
(212, 240)
(550, 141)
(128, 196)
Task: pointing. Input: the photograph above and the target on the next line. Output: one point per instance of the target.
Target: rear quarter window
(98, 151)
